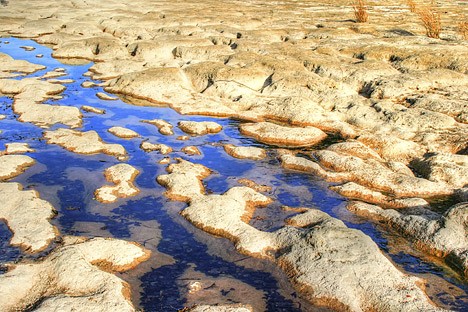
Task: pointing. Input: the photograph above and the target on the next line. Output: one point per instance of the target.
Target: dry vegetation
(463, 30)
(431, 21)
(360, 11)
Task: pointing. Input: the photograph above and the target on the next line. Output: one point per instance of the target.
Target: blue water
(73, 196)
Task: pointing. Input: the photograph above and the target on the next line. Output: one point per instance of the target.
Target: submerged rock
(270, 133)
(84, 142)
(123, 176)
(75, 277)
(444, 236)
(27, 216)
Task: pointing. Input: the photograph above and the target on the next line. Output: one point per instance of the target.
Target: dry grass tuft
(431, 21)
(360, 11)
(412, 5)
(463, 30)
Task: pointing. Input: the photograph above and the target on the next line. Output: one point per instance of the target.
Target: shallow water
(68, 181)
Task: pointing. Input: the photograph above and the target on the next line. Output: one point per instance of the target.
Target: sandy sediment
(123, 176)
(76, 276)
(84, 142)
(325, 259)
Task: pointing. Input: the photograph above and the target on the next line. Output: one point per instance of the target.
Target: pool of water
(68, 181)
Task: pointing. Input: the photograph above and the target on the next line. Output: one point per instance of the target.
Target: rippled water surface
(69, 180)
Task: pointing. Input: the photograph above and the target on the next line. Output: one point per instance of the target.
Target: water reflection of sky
(72, 194)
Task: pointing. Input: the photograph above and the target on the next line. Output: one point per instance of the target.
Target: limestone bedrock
(74, 277)
(331, 264)
(123, 176)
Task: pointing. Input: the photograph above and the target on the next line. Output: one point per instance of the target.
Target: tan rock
(165, 161)
(11, 65)
(191, 150)
(75, 277)
(358, 192)
(149, 147)
(123, 133)
(29, 93)
(88, 84)
(448, 168)
(221, 308)
(444, 236)
(163, 126)
(199, 128)
(84, 142)
(243, 152)
(255, 186)
(315, 257)
(53, 74)
(106, 97)
(28, 48)
(91, 109)
(13, 165)
(270, 133)
(158, 85)
(123, 176)
(27, 216)
(18, 148)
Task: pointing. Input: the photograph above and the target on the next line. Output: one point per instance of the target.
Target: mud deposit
(187, 266)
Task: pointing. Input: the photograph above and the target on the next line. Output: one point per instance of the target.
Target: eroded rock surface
(75, 277)
(123, 176)
(333, 265)
(13, 165)
(163, 126)
(18, 148)
(278, 135)
(199, 128)
(83, 142)
(27, 216)
(444, 236)
(245, 152)
(29, 95)
(162, 148)
(123, 133)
